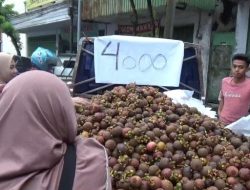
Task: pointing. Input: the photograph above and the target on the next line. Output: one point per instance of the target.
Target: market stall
(154, 142)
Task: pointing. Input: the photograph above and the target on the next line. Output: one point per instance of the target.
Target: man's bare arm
(221, 103)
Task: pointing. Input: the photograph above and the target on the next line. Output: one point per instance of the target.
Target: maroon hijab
(37, 120)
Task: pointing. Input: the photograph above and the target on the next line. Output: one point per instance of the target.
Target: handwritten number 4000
(159, 62)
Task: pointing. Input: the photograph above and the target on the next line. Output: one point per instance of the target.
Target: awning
(55, 14)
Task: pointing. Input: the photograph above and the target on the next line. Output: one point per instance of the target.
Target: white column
(242, 26)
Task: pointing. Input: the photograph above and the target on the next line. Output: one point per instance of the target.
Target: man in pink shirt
(235, 92)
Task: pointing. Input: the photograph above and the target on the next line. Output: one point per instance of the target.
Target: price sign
(145, 61)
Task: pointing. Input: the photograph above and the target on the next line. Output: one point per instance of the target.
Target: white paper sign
(143, 60)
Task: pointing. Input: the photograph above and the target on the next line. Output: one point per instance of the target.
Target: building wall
(7, 45)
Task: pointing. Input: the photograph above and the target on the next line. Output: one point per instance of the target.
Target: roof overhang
(52, 16)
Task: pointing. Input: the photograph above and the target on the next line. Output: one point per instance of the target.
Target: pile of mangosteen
(154, 144)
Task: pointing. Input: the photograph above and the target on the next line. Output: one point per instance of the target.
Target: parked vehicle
(83, 78)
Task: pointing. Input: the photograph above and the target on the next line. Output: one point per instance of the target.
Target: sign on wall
(32, 4)
(143, 60)
(144, 29)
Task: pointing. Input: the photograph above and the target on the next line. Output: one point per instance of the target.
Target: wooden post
(150, 9)
(134, 16)
(169, 19)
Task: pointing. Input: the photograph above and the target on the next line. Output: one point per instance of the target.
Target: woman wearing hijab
(7, 69)
(38, 123)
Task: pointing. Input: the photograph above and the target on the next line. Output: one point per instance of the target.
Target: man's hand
(80, 101)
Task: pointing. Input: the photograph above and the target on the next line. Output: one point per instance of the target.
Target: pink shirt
(236, 99)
